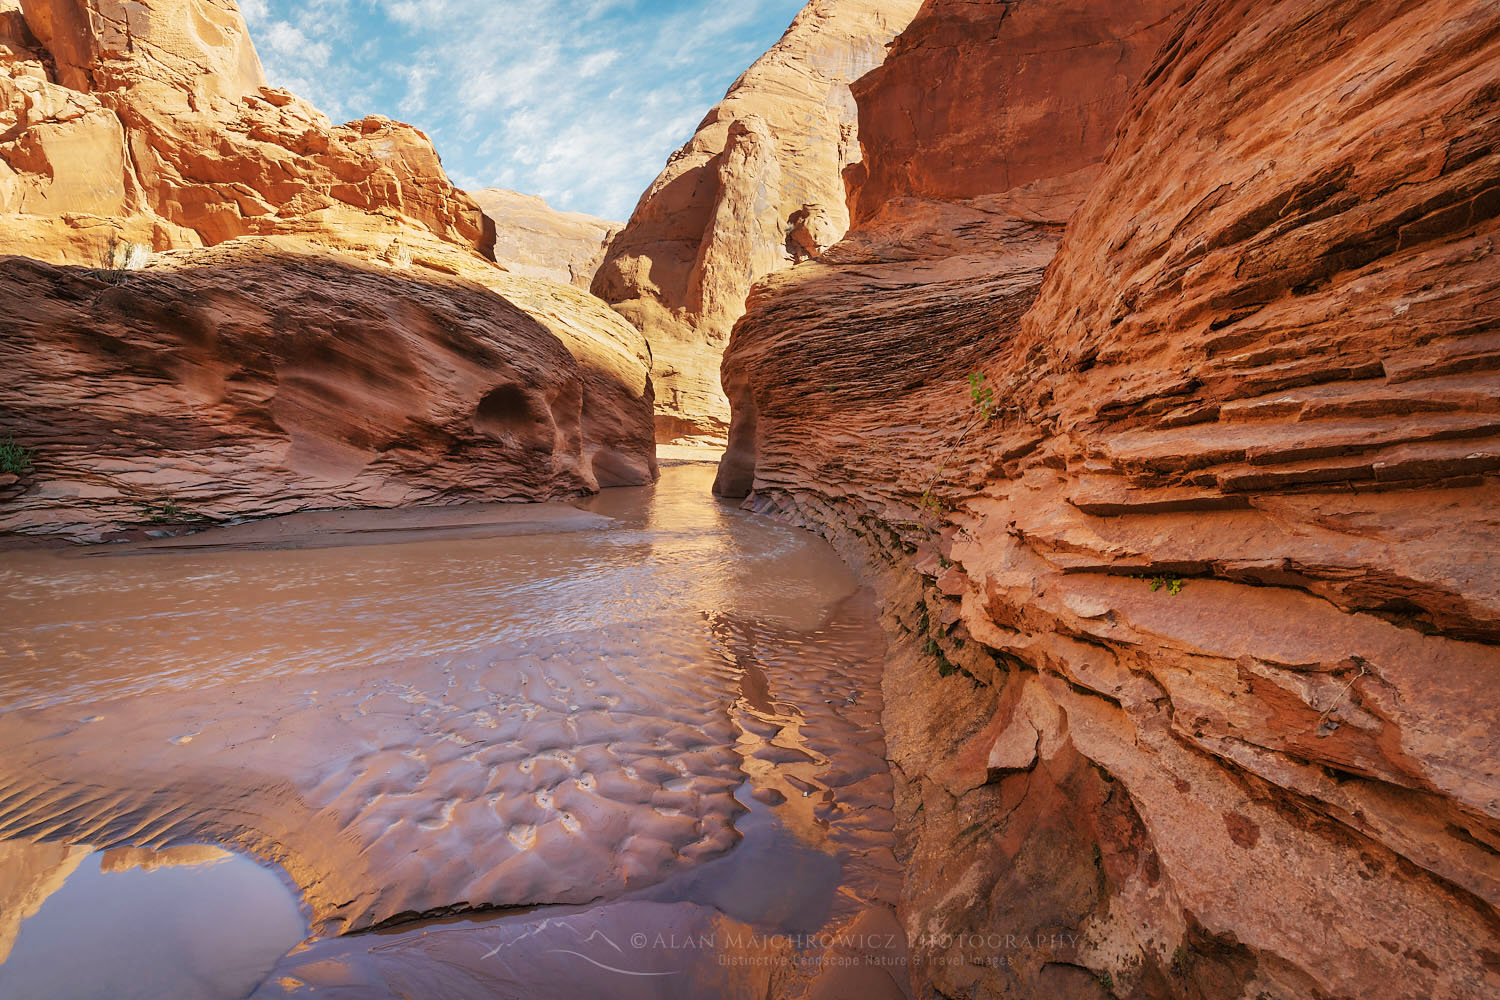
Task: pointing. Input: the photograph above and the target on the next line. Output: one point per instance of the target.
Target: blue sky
(579, 101)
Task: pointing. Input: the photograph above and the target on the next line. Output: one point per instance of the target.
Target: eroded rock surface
(251, 379)
(1201, 672)
(758, 188)
(152, 375)
(534, 239)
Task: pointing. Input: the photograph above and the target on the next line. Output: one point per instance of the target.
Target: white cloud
(579, 101)
(290, 44)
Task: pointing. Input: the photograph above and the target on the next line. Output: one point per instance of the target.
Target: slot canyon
(1013, 511)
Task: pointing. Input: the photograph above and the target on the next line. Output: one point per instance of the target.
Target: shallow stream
(627, 747)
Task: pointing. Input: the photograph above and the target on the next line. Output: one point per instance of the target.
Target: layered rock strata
(1198, 580)
(256, 378)
(759, 187)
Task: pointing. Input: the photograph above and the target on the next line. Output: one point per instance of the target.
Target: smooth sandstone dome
(1197, 587)
(534, 239)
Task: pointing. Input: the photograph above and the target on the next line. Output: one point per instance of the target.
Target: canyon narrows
(220, 305)
(1138, 365)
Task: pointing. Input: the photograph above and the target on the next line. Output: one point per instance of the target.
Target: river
(624, 747)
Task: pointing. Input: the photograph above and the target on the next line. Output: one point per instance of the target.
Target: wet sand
(515, 751)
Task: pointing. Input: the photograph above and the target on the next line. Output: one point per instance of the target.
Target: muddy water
(623, 748)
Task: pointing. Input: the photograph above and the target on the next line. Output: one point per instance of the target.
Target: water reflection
(651, 707)
(184, 922)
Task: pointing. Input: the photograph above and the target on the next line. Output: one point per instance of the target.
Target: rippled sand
(658, 714)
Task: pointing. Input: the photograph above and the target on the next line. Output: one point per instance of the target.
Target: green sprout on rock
(14, 459)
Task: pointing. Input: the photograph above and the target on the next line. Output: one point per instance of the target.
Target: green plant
(981, 396)
(168, 512)
(944, 665)
(14, 458)
(1105, 979)
(1172, 583)
(982, 410)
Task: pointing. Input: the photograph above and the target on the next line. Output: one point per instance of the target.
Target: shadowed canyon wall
(1197, 587)
(256, 311)
(758, 187)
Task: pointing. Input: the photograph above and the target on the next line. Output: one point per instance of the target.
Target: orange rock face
(759, 187)
(135, 134)
(156, 115)
(537, 240)
(1199, 580)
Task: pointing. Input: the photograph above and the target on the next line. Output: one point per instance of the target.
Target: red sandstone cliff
(1199, 690)
(759, 187)
(135, 134)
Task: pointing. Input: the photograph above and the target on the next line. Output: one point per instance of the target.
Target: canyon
(1098, 595)
(759, 187)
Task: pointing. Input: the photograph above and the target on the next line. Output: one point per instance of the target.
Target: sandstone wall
(758, 187)
(1052, 80)
(255, 310)
(151, 123)
(534, 239)
(1198, 691)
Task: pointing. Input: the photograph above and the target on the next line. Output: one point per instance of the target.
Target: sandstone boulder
(258, 378)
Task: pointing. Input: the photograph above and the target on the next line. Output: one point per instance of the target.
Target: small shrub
(14, 458)
(982, 405)
(981, 396)
(1106, 980)
(944, 665)
(120, 257)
